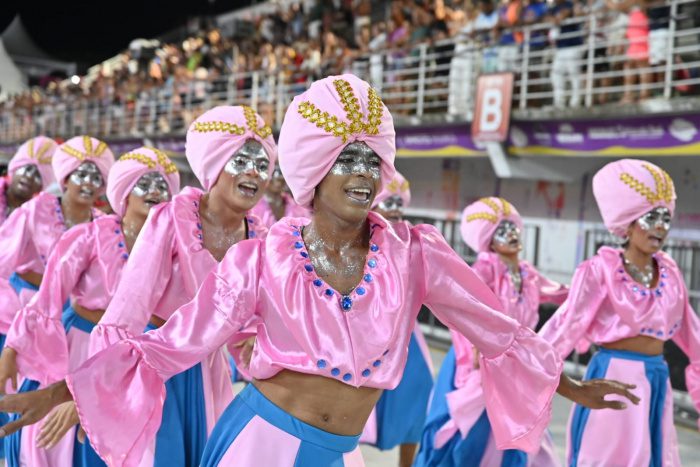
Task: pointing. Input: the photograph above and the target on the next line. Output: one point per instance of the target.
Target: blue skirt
(182, 435)
(401, 412)
(457, 452)
(316, 448)
(656, 371)
(83, 453)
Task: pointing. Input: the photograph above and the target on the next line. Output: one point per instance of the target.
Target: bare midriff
(321, 402)
(156, 321)
(32, 277)
(641, 344)
(94, 316)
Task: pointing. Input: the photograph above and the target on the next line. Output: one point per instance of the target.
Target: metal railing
(425, 81)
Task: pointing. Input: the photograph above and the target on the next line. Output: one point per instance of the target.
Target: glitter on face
(277, 174)
(358, 159)
(507, 234)
(392, 203)
(250, 159)
(30, 172)
(152, 183)
(656, 218)
(87, 174)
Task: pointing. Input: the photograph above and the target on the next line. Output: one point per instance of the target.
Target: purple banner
(639, 136)
(445, 141)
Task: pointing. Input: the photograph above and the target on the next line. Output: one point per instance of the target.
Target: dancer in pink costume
(231, 152)
(400, 413)
(336, 297)
(27, 237)
(47, 341)
(277, 203)
(458, 431)
(28, 173)
(629, 301)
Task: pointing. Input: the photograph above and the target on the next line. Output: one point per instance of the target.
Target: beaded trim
(39, 155)
(331, 124)
(506, 209)
(662, 180)
(89, 152)
(162, 159)
(251, 120)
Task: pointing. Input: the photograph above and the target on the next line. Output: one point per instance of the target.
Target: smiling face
(150, 189)
(649, 232)
(352, 183)
(84, 184)
(26, 181)
(506, 239)
(245, 176)
(391, 208)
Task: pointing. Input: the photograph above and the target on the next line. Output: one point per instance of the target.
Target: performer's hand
(8, 369)
(32, 406)
(57, 424)
(246, 347)
(592, 393)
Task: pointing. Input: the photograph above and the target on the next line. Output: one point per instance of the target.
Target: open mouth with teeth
(150, 202)
(359, 194)
(656, 240)
(248, 189)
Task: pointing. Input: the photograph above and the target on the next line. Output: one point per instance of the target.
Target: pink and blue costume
(166, 267)
(458, 431)
(303, 325)
(84, 267)
(605, 305)
(400, 413)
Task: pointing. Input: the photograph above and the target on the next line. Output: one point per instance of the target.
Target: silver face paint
(154, 184)
(250, 159)
(657, 218)
(392, 203)
(358, 159)
(277, 173)
(30, 172)
(87, 173)
(507, 234)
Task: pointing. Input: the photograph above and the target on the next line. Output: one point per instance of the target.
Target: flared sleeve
(37, 333)
(14, 237)
(520, 371)
(144, 279)
(566, 329)
(688, 339)
(119, 392)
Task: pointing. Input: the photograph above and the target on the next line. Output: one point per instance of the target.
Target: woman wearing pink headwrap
(231, 152)
(629, 301)
(336, 298)
(399, 415)
(46, 341)
(28, 173)
(277, 203)
(458, 431)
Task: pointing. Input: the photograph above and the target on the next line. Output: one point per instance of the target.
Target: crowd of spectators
(380, 39)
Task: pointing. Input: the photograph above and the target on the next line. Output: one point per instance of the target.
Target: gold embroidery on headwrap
(506, 210)
(89, 152)
(168, 166)
(394, 186)
(664, 185)
(223, 127)
(252, 122)
(331, 124)
(40, 154)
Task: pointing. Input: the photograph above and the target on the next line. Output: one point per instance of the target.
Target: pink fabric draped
(303, 328)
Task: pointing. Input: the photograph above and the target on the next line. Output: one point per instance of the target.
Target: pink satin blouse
(605, 305)
(85, 265)
(306, 326)
(291, 209)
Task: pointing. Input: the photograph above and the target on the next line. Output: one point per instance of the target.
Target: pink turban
(398, 186)
(627, 189)
(216, 136)
(319, 123)
(132, 166)
(37, 151)
(481, 218)
(77, 150)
